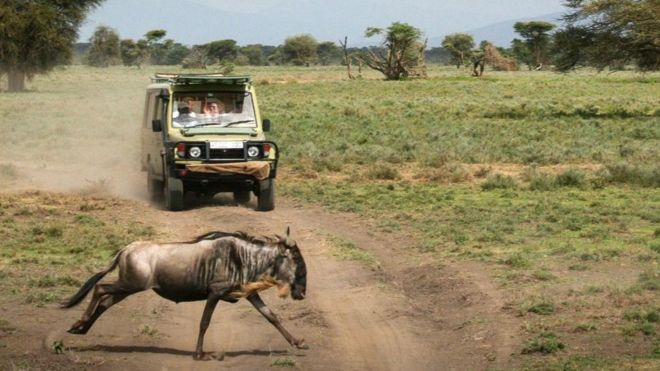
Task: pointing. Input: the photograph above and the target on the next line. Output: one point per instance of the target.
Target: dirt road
(404, 315)
(407, 314)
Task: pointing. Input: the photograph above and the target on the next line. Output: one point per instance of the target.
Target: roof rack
(199, 78)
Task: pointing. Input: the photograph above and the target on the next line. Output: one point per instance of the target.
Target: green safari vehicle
(203, 133)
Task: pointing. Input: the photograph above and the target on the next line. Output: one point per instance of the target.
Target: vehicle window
(222, 109)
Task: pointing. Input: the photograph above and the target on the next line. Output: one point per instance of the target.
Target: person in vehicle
(183, 115)
(214, 108)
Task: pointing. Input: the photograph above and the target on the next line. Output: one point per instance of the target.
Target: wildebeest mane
(214, 235)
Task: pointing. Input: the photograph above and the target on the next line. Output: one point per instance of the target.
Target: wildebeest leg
(211, 303)
(270, 316)
(104, 296)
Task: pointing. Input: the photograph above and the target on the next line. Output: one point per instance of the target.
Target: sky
(271, 21)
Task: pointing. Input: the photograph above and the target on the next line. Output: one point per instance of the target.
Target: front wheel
(266, 196)
(173, 194)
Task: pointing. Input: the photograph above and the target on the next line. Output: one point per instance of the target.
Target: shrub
(499, 181)
(383, 172)
(571, 178)
(629, 174)
(542, 182)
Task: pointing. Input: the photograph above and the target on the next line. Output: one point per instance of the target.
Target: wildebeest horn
(288, 242)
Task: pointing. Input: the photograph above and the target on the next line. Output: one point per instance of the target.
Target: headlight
(195, 152)
(253, 151)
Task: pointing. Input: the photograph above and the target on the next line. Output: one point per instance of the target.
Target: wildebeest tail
(87, 286)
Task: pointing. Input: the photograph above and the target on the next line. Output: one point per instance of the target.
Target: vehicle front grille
(227, 154)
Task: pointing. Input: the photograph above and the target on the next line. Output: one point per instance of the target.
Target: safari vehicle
(203, 133)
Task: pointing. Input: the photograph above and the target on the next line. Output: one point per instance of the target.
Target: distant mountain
(502, 33)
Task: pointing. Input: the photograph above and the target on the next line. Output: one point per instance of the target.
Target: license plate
(226, 145)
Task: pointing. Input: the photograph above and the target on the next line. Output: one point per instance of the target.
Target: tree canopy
(104, 48)
(222, 50)
(609, 33)
(38, 35)
(402, 52)
(536, 39)
(459, 45)
(300, 50)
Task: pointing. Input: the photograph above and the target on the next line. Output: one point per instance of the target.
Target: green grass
(50, 246)
(546, 342)
(284, 362)
(346, 250)
(588, 225)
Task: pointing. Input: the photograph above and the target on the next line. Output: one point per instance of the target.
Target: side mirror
(164, 95)
(156, 126)
(266, 125)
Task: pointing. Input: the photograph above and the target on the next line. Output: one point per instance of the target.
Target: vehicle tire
(154, 187)
(173, 194)
(266, 196)
(242, 197)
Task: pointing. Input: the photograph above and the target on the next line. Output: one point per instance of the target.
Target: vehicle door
(152, 142)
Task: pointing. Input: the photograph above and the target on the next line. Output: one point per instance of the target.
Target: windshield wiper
(235, 122)
(200, 125)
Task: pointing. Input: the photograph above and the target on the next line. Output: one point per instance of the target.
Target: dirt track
(406, 315)
(403, 316)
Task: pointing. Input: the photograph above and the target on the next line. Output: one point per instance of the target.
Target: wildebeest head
(291, 268)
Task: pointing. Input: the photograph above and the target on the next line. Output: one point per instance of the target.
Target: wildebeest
(214, 266)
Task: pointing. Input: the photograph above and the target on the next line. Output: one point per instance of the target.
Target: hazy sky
(271, 21)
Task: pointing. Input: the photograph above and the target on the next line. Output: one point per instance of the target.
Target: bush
(383, 172)
(546, 342)
(629, 174)
(542, 182)
(571, 178)
(499, 181)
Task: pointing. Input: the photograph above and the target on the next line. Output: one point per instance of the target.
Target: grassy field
(551, 181)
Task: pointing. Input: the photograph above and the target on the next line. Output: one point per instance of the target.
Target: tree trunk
(347, 57)
(16, 81)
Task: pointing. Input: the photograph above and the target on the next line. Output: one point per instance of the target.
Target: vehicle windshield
(221, 109)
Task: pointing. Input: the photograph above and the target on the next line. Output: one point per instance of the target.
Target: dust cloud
(83, 138)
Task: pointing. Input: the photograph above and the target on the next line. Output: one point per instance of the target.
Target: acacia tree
(609, 33)
(521, 51)
(459, 46)
(401, 54)
(37, 35)
(329, 53)
(222, 50)
(130, 53)
(104, 48)
(254, 54)
(300, 50)
(537, 39)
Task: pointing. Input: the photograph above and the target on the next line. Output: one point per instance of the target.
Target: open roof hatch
(199, 78)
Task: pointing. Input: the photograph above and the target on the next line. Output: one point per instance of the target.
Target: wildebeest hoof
(209, 356)
(300, 344)
(77, 329)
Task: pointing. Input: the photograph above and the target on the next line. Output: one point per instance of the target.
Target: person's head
(183, 108)
(214, 107)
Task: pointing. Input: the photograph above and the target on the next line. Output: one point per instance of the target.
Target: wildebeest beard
(215, 266)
